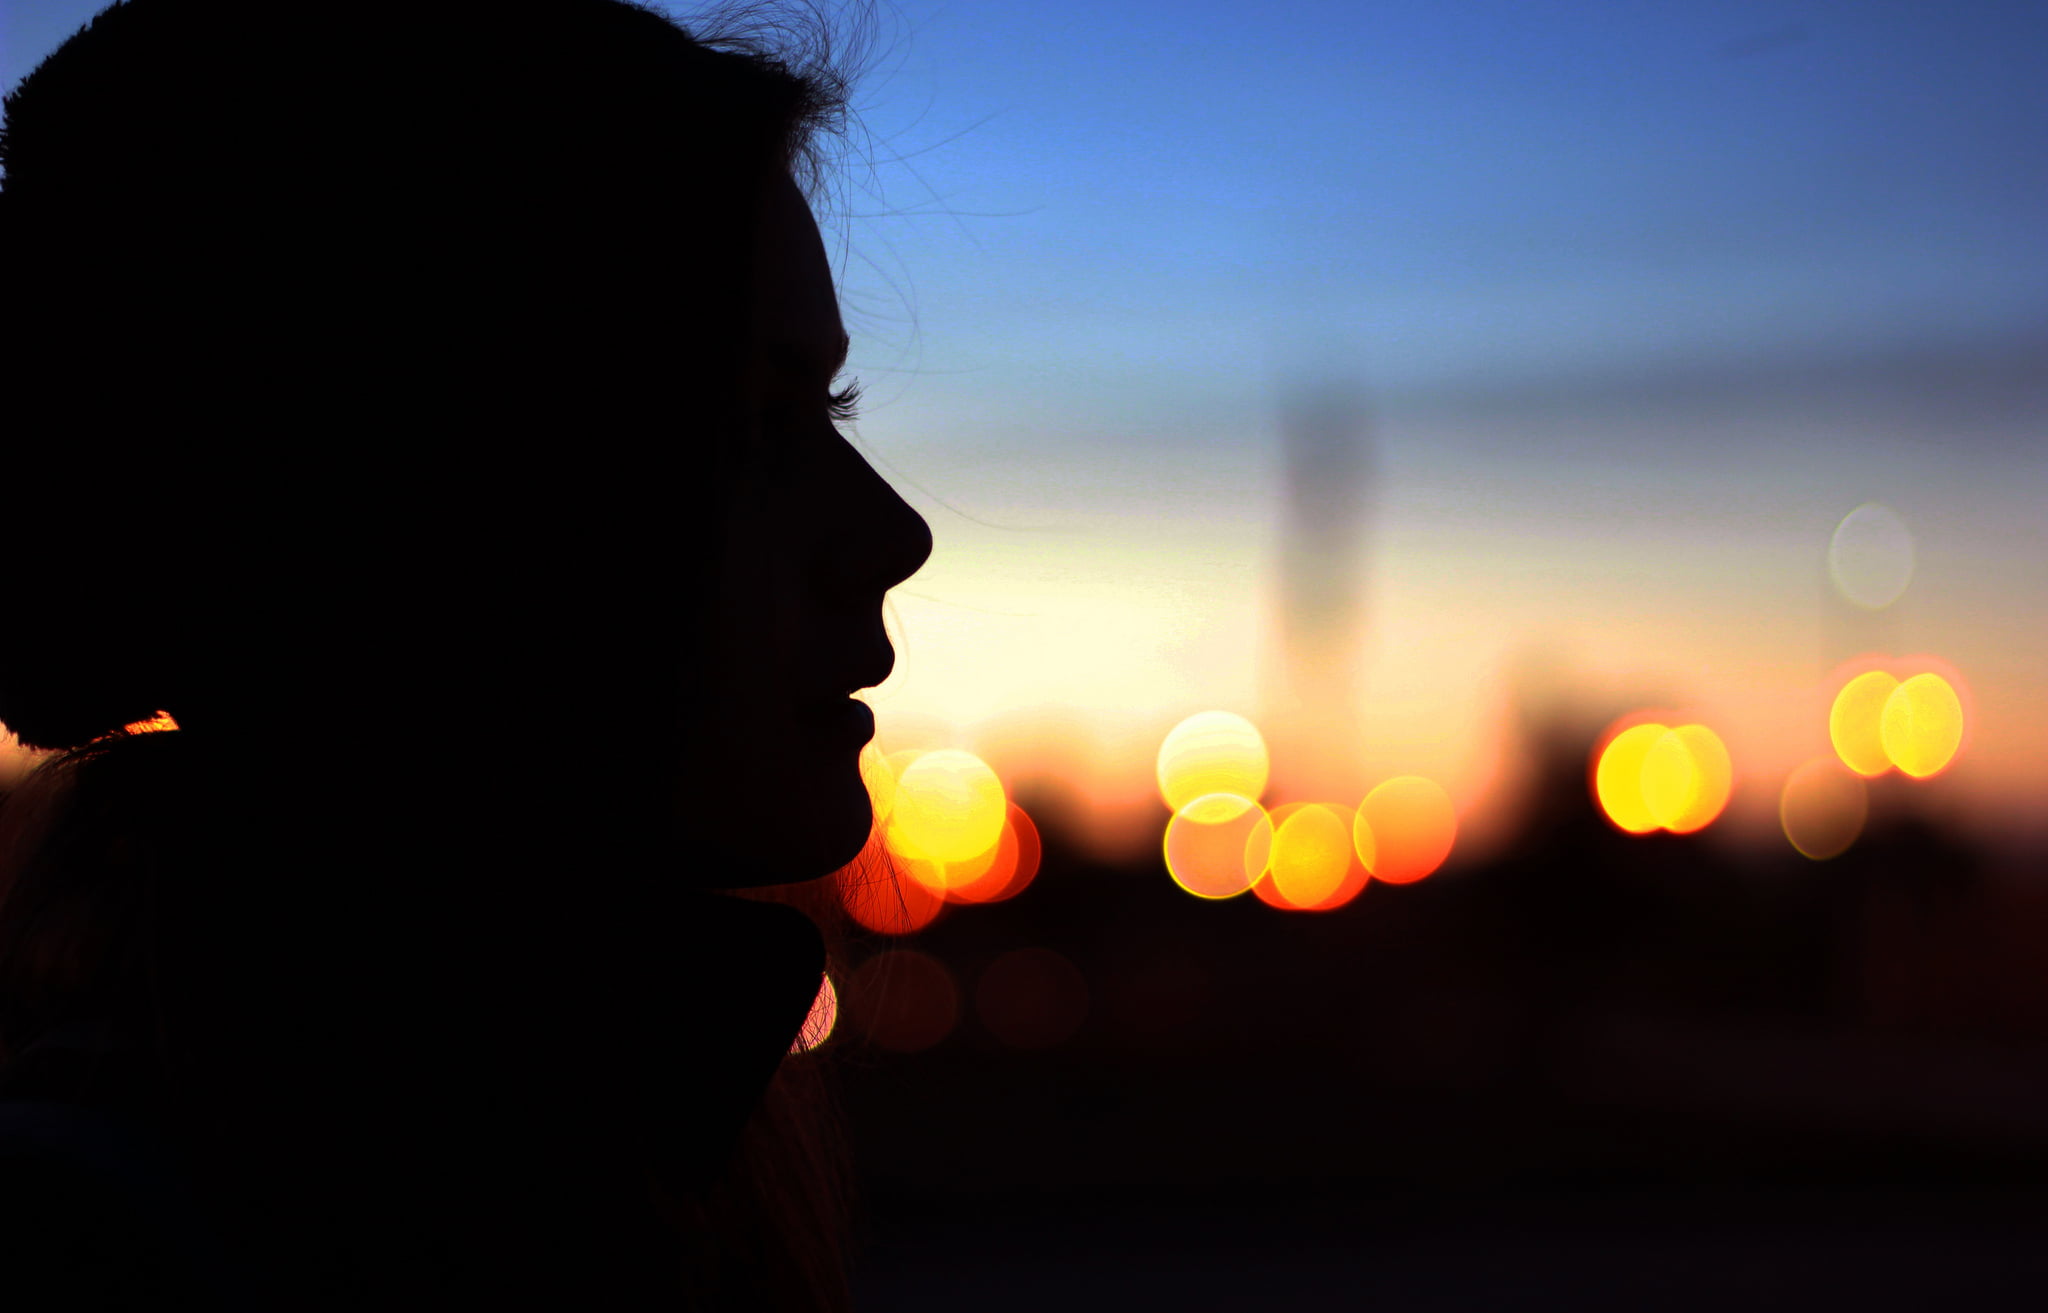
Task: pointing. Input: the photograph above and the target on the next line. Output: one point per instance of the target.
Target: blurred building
(1312, 717)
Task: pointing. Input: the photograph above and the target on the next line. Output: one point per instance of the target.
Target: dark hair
(216, 516)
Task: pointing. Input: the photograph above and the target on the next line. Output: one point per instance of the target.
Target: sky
(1644, 299)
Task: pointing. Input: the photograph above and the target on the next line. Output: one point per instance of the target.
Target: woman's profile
(430, 407)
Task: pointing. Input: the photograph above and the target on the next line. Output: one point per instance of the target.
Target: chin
(792, 842)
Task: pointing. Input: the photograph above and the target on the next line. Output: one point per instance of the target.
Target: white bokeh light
(1870, 558)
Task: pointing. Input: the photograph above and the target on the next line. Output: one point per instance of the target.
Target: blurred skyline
(1644, 300)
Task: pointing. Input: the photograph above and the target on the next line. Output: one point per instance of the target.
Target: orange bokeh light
(1405, 829)
(1649, 776)
(1012, 865)
(880, 893)
(1287, 895)
(903, 1000)
(1206, 846)
(1823, 807)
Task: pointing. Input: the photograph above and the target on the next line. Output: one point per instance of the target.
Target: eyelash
(844, 405)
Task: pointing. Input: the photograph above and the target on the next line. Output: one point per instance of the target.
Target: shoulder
(93, 1217)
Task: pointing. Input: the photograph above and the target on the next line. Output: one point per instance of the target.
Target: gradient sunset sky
(1645, 298)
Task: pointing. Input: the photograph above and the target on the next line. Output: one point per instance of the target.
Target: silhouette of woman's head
(431, 405)
(429, 373)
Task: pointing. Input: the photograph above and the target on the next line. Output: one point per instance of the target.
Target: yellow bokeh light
(1922, 725)
(1209, 858)
(1311, 854)
(1823, 808)
(1653, 777)
(820, 1020)
(1855, 723)
(1695, 756)
(1216, 757)
(949, 807)
(880, 779)
(1405, 829)
(1619, 778)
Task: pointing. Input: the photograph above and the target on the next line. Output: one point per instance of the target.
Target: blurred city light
(1011, 865)
(1213, 858)
(1311, 852)
(820, 1020)
(949, 807)
(1619, 778)
(1216, 757)
(883, 897)
(1405, 828)
(1823, 808)
(1855, 723)
(1259, 853)
(903, 1000)
(1922, 725)
(1032, 998)
(1870, 556)
(1650, 776)
(880, 779)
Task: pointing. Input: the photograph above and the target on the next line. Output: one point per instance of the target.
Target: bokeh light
(1855, 723)
(1687, 778)
(156, 724)
(1870, 556)
(1216, 757)
(1651, 776)
(880, 779)
(1259, 850)
(903, 1000)
(949, 807)
(1823, 808)
(1922, 725)
(1012, 867)
(820, 1020)
(880, 893)
(1212, 858)
(1618, 780)
(1310, 854)
(1405, 829)
(1032, 998)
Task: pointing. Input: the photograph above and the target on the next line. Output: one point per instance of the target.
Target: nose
(886, 541)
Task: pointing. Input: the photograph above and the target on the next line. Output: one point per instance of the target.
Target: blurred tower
(1312, 717)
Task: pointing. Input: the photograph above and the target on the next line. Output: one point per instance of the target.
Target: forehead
(796, 310)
